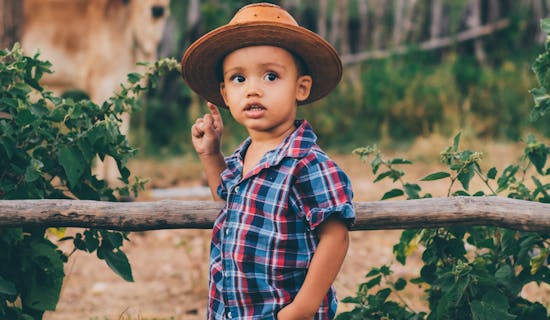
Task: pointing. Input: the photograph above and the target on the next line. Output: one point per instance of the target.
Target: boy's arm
(326, 262)
(206, 136)
(213, 166)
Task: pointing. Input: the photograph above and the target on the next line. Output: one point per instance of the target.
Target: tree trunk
(363, 25)
(193, 20)
(378, 25)
(474, 22)
(11, 18)
(335, 27)
(408, 25)
(344, 26)
(437, 12)
(398, 24)
(494, 10)
(322, 18)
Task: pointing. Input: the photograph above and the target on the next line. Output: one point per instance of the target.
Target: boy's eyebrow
(269, 64)
(264, 65)
(232, 70)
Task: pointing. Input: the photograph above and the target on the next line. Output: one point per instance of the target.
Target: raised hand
(207, 131)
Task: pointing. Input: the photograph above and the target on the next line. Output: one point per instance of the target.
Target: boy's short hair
(255, 25)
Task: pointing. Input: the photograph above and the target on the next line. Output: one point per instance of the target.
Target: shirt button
(236, 189)
(229, 315)
(226, 231)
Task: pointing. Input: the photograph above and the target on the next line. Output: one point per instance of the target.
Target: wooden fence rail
(377, 215)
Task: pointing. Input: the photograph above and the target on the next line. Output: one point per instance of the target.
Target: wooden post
(377, 215)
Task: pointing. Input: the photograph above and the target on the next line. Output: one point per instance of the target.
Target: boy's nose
(253, 89)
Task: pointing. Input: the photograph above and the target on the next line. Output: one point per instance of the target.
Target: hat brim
(201, 61)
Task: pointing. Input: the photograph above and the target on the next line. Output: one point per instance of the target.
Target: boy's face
(261, 87)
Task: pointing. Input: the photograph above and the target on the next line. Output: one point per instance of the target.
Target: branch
(377, 215)
(431, 44)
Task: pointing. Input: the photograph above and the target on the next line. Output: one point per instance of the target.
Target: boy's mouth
(254, 110)
(254, 107)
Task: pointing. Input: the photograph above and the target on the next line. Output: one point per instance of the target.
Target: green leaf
(404, 247)
(73, 164)
(400, 284)
(25, 117)
(492, 173)
(7, 287)
(436, 176)
(456, 141)
(43, 283)
(545, 25)
(537, 155)
(493, 305)
(34, 170)
(373, 282)
(466, 175)
(412, 190)
(457, 291)
(134, 77)
(91, 243)
(111, 238)
(385, 270)
(399, 161)
(507, 177)
(57, 114)
(118, 262)
(392, 194)
(375, 163)
(382, 176)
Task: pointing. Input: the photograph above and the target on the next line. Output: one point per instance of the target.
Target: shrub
(485, 281)
(48, 145)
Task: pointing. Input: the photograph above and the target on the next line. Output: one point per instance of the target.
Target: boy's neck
(261, 143)
(270, 139)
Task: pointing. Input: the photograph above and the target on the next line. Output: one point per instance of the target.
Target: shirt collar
(295, 145)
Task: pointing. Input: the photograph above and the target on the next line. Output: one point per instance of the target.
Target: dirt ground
(170, 266)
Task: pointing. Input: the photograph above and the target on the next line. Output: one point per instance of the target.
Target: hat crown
(262, 12)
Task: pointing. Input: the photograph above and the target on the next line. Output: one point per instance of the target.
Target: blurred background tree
(412, 68)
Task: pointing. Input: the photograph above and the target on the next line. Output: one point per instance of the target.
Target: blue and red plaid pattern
(264, 238)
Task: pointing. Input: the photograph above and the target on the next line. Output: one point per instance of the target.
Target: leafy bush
(48, 145)
(468, 272)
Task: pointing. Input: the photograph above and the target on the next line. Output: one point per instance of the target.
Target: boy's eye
(237, 78)
(271, 76)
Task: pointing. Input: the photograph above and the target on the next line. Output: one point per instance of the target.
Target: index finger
(213, 109)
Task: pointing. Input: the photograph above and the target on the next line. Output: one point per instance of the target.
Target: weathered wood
(377, 215)
(431, 44)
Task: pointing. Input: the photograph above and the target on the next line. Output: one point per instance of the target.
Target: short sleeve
(323, 190)
(222, 191)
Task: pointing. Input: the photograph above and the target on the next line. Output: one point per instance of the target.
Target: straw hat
(254, 25)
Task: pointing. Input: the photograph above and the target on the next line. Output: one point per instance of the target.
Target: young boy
(281, 238)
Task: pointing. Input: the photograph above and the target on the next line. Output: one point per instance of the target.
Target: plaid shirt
(263, 239)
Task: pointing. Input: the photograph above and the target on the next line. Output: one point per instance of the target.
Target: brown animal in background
(93, 45)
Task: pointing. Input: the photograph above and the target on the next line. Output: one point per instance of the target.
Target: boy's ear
(223, 92)
(304, 84)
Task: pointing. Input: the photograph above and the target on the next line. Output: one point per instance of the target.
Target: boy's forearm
(326, 262)
(213, 166)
